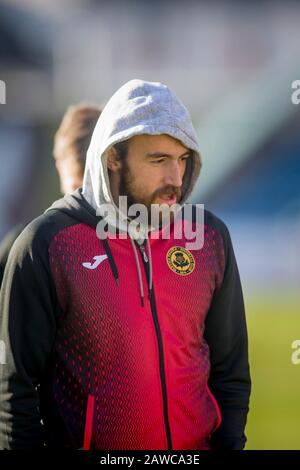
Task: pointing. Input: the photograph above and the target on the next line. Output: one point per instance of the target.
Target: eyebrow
(161, 154)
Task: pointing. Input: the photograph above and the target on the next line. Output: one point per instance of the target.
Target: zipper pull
(142, 248)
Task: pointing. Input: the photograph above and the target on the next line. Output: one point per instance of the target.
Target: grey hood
(138, 107)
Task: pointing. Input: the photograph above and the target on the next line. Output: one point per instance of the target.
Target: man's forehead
(157, 144)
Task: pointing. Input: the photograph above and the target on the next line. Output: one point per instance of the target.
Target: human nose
(173, 175)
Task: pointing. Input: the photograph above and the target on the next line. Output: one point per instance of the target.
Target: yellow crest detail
(180, 260)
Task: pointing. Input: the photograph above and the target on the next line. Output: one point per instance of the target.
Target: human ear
(113, 160)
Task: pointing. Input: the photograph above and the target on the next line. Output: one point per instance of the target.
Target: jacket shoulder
(209, 218)
(37, 235)
(216, 223)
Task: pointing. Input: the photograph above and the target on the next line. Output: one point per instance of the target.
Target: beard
(127, 188)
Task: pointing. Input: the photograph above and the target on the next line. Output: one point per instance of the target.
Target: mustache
(168, 190)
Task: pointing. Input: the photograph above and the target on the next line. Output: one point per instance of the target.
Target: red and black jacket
(88, 365)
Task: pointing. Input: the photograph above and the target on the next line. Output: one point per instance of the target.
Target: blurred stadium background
(232, 65)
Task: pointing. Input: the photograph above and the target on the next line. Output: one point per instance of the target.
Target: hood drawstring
(111, 260)
(115, 270)
(139, 271)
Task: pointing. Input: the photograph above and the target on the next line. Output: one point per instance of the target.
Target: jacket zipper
(160, 350)
(142, 249)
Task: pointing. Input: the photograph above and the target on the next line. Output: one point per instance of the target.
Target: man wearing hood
(123, 338)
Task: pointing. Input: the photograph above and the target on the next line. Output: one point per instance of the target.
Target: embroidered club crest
(180, 260)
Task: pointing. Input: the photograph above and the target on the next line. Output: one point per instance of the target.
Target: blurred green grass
(274, 417)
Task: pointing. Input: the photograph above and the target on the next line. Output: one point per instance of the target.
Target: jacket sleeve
(5, 247)
(226, 335)
(27, 331)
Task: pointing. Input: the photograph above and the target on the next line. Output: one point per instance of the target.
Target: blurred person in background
(126, 342)
(71, 142)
